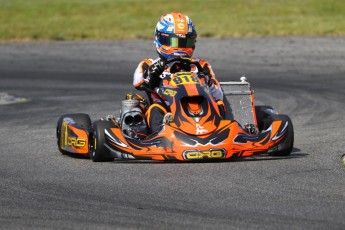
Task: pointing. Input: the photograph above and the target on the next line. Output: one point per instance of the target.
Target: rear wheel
(100, 153)
(80, 118)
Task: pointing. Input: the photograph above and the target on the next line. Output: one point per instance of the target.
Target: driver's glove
(155, 70)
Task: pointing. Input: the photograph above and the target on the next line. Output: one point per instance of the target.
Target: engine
(132, 120)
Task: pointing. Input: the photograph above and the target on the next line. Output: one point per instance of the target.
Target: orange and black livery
(194, 128)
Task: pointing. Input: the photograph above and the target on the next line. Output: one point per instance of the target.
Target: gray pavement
(303, 77)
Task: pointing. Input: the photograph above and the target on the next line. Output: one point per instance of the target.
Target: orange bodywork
(74, 139)
(177, 149)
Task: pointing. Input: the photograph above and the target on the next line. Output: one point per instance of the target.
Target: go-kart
(193, 128)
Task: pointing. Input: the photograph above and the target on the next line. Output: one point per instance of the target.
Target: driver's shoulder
(202, 62)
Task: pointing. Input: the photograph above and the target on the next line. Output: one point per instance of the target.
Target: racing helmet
(175, 36)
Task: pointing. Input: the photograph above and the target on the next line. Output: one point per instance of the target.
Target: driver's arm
(213, 83)
(140, 77)
(216, 90)
(147, 73)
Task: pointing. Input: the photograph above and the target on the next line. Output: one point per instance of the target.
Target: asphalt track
(303, 77)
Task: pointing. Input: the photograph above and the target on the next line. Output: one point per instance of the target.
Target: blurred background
(25, 20)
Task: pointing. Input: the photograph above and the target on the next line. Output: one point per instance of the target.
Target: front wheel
(100, 152)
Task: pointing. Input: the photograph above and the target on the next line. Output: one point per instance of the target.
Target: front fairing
(177, 87)
(228, 140)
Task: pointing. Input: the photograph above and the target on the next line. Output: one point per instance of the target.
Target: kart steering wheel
(184, 62)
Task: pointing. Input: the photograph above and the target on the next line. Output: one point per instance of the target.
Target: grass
(126, 19)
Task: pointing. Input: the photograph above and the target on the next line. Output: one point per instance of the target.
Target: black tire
(100, 153)
(80, 118)
(289, 140)
(263, 116)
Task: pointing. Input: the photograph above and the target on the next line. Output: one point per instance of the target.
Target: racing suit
(155, 113)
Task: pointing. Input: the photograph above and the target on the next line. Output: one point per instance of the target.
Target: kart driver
(175, 36)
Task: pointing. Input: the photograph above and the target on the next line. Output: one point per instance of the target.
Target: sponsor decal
(180, 27)
(204, 154)
(164, 35)
(170, 92)
(200, 129)
(179, 54)
(76, 142)
(181, 35)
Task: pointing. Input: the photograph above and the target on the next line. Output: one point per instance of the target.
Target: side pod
(73, 133)
(284, 136)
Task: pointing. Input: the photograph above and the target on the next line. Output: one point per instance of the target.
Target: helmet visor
(176, 42)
